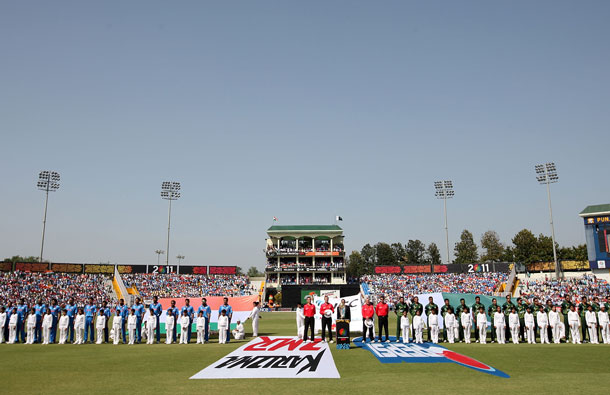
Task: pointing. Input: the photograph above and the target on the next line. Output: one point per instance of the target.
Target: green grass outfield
(160, 368)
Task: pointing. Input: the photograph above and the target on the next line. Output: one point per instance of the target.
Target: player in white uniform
(200, 328)
(300, 321)
(12, 326)
(100, 324)
(132, 324)
(185, 321)
(466, 319)
(574, 323)
(482, 325)
(405, 326)
(500, 325)
(543, 324)
(255, 316)
(47, 324)
(223, 325)
(79, 327)
(170, 322)
(2, 323)
(555, 323)
(239, 332)
(433, 325)
(151, 326)
(514, 325)
(117, 327)
(604, 323)
(528, 317)
(31, 327)
(591, 320)
(450, 324)
(64, 322)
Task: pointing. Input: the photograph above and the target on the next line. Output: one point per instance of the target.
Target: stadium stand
(189, 285)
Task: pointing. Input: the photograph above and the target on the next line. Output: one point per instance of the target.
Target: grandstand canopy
(596, 209)
(305, 230)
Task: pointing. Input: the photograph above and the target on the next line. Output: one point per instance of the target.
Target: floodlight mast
(48, 181)
(170, 190)
(159, 253)
(179, 258)
(444, 190)
(547, 174)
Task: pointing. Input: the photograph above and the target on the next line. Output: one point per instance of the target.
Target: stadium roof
(596, 209)
(305, 230)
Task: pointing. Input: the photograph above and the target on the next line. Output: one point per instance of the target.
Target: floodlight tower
(48, 181)
(547, 174)
(170, 190)
(159, 253)
(179, 258)
(444, 190)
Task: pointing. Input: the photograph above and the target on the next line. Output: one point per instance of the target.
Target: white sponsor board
(274, 357)
(355, 304)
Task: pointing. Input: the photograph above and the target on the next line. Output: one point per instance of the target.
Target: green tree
(416, 252)
(23, 259)
(526, 246)
(508, 255)
(400, 254)
(575, 253)
(253, 272)
(466, 250)
(544, 249)
(369, 258)
(356, 266)
(433, 255)
(384, 255)
(494, 249)
(239, 271)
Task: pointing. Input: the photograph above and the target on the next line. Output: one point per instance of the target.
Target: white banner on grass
(355, 304)
(274, 357)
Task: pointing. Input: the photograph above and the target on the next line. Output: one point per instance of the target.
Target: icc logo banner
(424, 353)
(274, 357)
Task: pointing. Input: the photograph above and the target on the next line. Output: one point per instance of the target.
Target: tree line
(525, 248)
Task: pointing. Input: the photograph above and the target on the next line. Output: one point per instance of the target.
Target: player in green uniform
(548, 308)
(458, 315)
(415, 306)
(582, 310)
(431, 306)
(399, 308)
(446, 307)
(475, 309)
(565, 309)
(490, 312)
(507, 307)
(521, 308)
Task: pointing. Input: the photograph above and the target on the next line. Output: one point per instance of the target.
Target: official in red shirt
(382, 319)
(368, 312)
(327, 322)
(309, 310)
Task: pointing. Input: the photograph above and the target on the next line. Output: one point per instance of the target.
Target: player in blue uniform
(229, 311)
(9, 312)
(90, 310)
(207, 313)
(39, 309)
(157, 310)
(190, 311)
(71, 310)
(176, 314)
(22, 311)
(106, 311)
(55, 312)
(138, 307)
(123, 311)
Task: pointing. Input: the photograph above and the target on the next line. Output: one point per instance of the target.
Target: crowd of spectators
(394, 286)
(45, 286)
(554, 290)
(189, 285)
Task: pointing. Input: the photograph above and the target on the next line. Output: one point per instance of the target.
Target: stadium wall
(291, 294)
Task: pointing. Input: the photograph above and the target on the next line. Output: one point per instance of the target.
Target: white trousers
(255, 327)
(605, 329)
(405, 333)
(419, 334)
(544, 334)
(184, 335)
(132, 334)
(117, 334)
(574, 332)
(100, 335)
(483, 333)
(222, 335)
(200, 335)
(12, 333)
(169, 334)
(46, 335)
(556, 331)
(1, 334)
(63, 334)
(501, 334)
(451, 335)
(466, 329)
(434, 333)
(150, 334)
(30, 337)
(300, 330)
(514, 333)
(80, 334)
(593, 334)
(530, 334)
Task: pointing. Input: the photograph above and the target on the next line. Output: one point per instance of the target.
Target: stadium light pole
(547, 174)
(444, 190)
(170, 190)
(48, 181)
(179, 258)
(159, 253)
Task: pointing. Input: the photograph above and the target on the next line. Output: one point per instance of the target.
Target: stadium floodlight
(170, 190)
(444, 190)
(48, 181)
(179, 258)
(159, 253)
(547, 174)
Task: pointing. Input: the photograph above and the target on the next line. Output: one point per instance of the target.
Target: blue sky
(299, 110)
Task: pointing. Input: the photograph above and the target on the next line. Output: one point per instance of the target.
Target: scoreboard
(223, 270)
(498, 267)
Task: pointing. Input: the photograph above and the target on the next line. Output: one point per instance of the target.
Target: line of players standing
(40, 323)
(587, 322)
